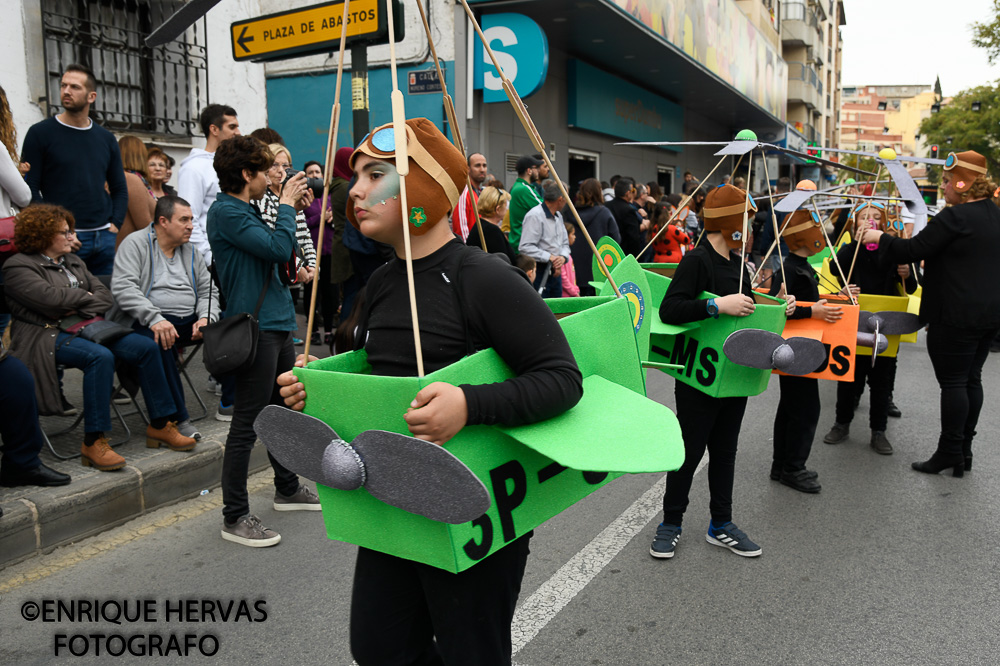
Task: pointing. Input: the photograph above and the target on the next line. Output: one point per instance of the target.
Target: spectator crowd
(110, 270)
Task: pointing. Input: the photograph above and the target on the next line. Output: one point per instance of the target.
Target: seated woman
(49, 288)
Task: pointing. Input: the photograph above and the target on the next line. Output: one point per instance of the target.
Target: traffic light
(934, 151)
(812, 152)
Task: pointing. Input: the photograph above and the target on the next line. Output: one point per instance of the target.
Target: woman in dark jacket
(958, 248)
(599, 222)
(49, 289)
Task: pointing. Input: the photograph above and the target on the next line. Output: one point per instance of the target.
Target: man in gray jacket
(163, 290)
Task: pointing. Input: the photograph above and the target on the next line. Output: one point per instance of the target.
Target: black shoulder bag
(231, 342)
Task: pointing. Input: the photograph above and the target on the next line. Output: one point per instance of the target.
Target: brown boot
(169, 435)
(101, 455)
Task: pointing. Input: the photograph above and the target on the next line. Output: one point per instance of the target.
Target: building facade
(592, 75)
(155, 94)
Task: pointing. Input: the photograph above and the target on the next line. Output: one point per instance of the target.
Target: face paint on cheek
(387, 187)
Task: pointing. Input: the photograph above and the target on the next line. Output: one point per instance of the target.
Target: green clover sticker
(417, 217)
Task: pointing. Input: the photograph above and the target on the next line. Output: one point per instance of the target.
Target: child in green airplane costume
(708, 422)
(525, 373)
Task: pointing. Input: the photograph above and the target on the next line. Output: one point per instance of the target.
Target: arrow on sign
(243, 39)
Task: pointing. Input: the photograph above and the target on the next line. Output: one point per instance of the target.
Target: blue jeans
(169, 358)
(97, 250)
(19, 429)
(4, 323)
(553, 285)
(98, 365)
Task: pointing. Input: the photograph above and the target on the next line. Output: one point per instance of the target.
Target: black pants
(880, 379)
(327, 300)
(20, 434)
(404, 612)
(795, 421)
(712, 423)
(255, 389)
(958, 355)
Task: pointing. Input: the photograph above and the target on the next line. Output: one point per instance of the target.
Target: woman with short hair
(492, 205)
(49, 289)
(157, 166)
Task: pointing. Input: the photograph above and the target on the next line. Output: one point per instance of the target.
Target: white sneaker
(224, 413)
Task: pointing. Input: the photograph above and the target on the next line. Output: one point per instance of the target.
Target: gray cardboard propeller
(765, 350)
(888, 322)
(405, 472)
(878, 342)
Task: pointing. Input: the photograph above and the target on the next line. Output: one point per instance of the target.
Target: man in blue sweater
(71, 159)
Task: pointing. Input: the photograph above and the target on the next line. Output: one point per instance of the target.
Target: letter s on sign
(508, 63)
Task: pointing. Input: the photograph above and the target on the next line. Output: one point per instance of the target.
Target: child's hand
(736, 305)
(437, 413)
(828, 313)
(789, 305)
(292, 389)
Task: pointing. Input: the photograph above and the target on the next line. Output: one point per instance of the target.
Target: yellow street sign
(314, 29)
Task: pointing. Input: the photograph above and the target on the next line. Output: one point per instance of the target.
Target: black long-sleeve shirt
(69, 167)
(874, 271)
(959, 249)
(701, 269)
(466, 296)
(628, 221)
(803, 284)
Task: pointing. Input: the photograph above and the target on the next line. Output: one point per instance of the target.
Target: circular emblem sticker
(609, 255)
(631, 292)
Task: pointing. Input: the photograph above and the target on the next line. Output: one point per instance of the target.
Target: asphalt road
(884, 566)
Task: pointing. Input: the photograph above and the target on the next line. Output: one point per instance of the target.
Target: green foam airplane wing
(608, 411)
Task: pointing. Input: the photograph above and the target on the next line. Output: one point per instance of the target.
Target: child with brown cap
(402, 611)
(707, 422)
(799, 405)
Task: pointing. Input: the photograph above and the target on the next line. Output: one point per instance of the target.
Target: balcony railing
(799, 11)
(799, 71)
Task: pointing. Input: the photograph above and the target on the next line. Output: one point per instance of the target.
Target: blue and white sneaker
(665, 541)
(731, 537)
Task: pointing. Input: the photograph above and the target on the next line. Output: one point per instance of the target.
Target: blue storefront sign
(522, 50)
(602, 102)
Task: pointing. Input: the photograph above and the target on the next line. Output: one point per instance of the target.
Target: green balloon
(746, 135)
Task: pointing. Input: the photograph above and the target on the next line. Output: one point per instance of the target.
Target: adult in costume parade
(958, 248)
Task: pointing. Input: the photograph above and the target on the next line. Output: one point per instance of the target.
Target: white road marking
(555, 593)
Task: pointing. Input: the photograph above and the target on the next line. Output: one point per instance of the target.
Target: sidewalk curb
(46, 518)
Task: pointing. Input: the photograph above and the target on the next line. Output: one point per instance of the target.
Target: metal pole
(359, 91)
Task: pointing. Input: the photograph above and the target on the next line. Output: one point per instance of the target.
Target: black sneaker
(776, 472)
(802, 480)
(731, 537)
(838, 433)
(67, 408)
(665, 541)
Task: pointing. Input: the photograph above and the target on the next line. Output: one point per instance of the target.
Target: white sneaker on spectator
(188, 429)
(213, 386)
(224, 413)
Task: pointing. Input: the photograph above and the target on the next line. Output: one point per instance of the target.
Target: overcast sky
(912, 41)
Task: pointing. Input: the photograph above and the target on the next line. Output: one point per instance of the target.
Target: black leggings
(958, 355)
(795, 421)
(255, 389)
(405, 612)
(706, 423)
(880, 379)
